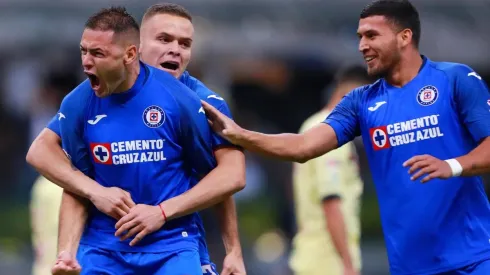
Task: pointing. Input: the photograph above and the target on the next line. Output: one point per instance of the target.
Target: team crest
(427, 95)
(101, 152)
(153, 116)
(379, 138)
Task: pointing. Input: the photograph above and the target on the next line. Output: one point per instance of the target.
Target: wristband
(163, 213)
(456, 167)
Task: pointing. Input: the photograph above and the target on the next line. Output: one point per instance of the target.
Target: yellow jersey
(44, 206)
(333, 174)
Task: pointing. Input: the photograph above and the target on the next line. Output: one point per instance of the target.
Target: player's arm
(340, 127)
(471, 99)
(477, 162)
(223, 181)
(72, 219)
(47, 157)
(329, 180)
(226, 179)
(233, 262)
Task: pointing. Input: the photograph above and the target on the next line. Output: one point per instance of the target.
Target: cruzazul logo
(427, 95)
(127, 152)
(406, 132)
(153, 116)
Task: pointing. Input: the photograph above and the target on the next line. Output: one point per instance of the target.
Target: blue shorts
(96, 261)
(478, 268)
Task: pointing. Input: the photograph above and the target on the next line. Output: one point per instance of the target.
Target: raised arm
(341, 126)
(291, 147)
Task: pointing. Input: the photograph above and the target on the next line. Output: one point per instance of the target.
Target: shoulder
(77, 101)
(454, 70)
(82, 93)
(170, 86)
(202, 91)
(362, 93)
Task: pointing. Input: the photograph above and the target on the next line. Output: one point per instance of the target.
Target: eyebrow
(94, 49)
(173, 36)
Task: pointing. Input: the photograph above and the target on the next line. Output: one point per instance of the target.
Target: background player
(158, 20)
(97, 84)
(419, 107)
(327, 197)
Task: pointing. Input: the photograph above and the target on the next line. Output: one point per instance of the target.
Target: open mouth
(368, 59)
(170, 65)
(94, 81)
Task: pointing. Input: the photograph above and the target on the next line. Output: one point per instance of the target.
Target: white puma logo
(96, 120)
(375, 107)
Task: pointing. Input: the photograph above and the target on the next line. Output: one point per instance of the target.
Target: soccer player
(145, 159)
(421, 120)
(327, 193)
(169, 48)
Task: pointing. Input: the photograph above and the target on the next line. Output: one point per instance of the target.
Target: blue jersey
(444, 112)
(151, 141)
(219, 103)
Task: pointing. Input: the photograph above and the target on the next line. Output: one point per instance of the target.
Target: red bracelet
(163, 213)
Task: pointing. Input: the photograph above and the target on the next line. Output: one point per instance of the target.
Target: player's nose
(174, 48)
(363, 46)
(87, 61)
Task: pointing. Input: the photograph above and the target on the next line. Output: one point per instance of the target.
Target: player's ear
(405, 37)
(131, 54)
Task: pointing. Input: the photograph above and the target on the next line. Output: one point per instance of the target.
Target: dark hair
(115, 19)
(400, 12)
(167, 8)
(352, 73)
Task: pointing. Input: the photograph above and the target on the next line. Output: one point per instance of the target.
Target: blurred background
(273, 60)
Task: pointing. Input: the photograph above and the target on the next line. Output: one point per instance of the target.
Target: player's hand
(141, 220)
(66, 264)
(428, 165)
(233, 264)
(112, 201)
(222, 124)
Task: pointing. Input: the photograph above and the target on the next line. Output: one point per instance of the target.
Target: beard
(388, 61)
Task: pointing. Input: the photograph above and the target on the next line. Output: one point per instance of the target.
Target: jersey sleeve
(195, 133)
(71, 118)
(472, 100)
(344, 118)
(54, 124)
